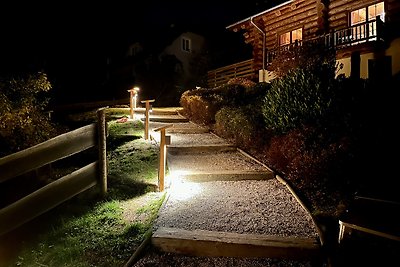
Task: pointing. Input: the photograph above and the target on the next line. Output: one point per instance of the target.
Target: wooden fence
(53, 194)
(244, 69)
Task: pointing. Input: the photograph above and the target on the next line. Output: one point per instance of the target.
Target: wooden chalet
(364, 33)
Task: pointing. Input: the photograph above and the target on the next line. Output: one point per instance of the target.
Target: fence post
(101, 132)
(147, 118)
(164, 141)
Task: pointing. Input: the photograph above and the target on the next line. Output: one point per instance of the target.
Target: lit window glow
(291, 37)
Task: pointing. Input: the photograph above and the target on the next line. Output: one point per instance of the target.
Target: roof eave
(259, 14)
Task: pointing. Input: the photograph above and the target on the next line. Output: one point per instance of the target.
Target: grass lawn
(91, 231)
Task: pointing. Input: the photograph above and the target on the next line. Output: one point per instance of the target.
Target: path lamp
(147, 117)
(165, 140)
(133, 94)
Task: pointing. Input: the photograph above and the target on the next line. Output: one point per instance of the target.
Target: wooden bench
(374, 216)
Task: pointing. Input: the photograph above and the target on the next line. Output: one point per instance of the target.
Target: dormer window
(291, 37)
(186, 43)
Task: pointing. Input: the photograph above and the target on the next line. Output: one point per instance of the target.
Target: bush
(244, 125)
(201, 105)
(312, 162)
(302, 97)
(200, 108)
(23, 122)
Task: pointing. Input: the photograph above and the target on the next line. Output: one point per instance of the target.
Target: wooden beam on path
(201, 148)
(228, 175)
(226, 244)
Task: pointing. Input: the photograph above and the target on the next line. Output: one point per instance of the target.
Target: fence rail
(53, 194)
(244, 69)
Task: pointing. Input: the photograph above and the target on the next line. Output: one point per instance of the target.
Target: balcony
(363, 33)
(367, 32)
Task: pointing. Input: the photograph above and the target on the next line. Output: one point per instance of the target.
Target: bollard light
(133, 94)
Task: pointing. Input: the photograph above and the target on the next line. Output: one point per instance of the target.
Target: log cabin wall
(310, 15)
(317, 17)
(339, 11)
(339, 18)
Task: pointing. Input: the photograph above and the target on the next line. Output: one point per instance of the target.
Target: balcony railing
(244, 69)
(370, 31)
(361, 33)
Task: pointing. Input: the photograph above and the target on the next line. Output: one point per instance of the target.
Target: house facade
(364, 33)
(187, 48)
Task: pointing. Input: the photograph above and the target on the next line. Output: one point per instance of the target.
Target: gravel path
(249, 206)
(221, 161)
(155, 258)
(178, 139)
(245, 206)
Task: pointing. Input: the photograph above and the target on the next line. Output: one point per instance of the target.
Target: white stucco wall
(345, 66)
(393, 51)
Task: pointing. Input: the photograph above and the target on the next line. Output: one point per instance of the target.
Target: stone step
(227, 244)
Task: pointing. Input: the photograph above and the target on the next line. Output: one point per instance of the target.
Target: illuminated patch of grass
(89, 231)
(97, 238)
(133, 127)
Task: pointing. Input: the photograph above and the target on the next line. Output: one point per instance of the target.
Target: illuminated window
(364, 15)
(290, 37)
(186, 44)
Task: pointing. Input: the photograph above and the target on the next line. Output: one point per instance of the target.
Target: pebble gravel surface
(243, 206)
(249, 206)
(178, 139)
(159, 259)
(218, 161)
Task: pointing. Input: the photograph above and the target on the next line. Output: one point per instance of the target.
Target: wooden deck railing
(244, 69)
(53, 194)
(361, 33)
(364, 32)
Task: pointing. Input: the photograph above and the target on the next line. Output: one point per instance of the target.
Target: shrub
(313, 162)
(306, 55)
(303, 96)
(200, 108)
(201, 104)
(244, 125)
(23, 122)
(242, 81)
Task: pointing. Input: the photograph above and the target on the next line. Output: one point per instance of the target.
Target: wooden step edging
(294, 194)
(188, 130)
(227, 244)
(178, 150)
(231, 175)
(319, 230)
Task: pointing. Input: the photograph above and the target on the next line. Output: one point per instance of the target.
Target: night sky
(73, 24)
(70, 37)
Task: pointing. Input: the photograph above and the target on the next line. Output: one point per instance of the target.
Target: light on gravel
(181, 189)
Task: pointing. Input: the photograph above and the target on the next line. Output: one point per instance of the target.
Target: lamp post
(132, 100)
(164, 141)
(147, 117)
